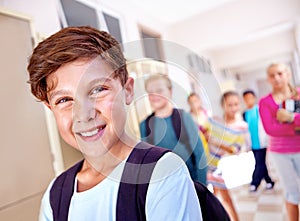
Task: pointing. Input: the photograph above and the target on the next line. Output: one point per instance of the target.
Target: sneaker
(252, 189)
(270, 186)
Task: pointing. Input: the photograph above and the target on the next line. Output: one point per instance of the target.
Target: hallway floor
(262, 205)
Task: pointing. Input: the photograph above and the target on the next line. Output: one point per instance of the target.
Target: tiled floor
(261, 206)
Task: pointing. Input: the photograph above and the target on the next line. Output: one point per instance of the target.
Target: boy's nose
(84, 111)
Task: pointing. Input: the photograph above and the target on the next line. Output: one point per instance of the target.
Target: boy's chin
(93, 151)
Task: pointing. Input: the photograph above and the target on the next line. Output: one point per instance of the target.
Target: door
(25, 159)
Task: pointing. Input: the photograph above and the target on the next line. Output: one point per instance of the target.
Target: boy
(80, 74)
(258, 140)
(163, 122)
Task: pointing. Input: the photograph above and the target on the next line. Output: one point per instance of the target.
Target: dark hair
(248, 92)
(68, 45)
(228, 94)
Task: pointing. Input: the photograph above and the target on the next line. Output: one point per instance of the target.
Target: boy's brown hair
(68, 45)
(159, 76)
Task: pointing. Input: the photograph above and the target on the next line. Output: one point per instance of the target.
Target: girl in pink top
(282, 127)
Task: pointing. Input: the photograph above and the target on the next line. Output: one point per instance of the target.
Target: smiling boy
(80, 74)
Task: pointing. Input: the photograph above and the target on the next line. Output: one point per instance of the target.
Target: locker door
(25, 159)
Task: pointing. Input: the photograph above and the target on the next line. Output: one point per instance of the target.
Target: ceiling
(218, 28)
(172, 11)
(166, 12)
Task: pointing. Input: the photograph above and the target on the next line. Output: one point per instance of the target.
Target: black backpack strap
(177, 122)
(181, 133)
(135, 181)
(149, 128)
(211, 207)
(179, 128)
(61, 192)
(244, 116)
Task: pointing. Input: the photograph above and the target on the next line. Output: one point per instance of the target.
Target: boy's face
(89, 105)
(249, 100)
(158, 93)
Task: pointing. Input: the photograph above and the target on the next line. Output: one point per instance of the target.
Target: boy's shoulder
(142, 153)
(70, 172)
(138, 169)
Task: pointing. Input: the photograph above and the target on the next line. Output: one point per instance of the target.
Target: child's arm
(197, 146)
(271, 125)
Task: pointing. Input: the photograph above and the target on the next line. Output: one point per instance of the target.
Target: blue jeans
(260, 170)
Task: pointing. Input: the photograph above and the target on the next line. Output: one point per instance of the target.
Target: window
(199, 64)
(113, 26)
(78, 14)
(81, 12)
(152, 44)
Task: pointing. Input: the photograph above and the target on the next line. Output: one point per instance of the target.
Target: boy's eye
(63, 100)
(97, 90)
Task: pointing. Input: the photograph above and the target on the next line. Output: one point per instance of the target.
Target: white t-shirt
(171, 196)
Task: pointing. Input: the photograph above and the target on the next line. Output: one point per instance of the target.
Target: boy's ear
(129, 93)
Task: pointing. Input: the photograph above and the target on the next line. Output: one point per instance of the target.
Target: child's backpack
(179, 128)
(135, 182)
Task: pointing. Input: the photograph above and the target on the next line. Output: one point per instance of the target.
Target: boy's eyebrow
(55, 93)
(64, 91)
(100, 80)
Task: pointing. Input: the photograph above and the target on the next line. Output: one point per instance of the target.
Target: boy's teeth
(89, 133)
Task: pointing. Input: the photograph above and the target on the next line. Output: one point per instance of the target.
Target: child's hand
(206, 134)
(283, 115)
(232, 150)
(235, 148)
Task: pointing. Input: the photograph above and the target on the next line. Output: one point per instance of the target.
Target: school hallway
(262, 205)
(204, 47)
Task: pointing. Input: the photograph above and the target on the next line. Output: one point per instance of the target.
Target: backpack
(131, 192)
(179, 128)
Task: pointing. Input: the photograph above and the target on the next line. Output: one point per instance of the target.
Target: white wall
(255, 51)
(231, 22)
(242, 35)
(46, 18)
(132, 17)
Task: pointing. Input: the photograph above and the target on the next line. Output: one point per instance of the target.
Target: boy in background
(259, 142)
(159, 128)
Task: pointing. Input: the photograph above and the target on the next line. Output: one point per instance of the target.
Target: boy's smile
(89, 104)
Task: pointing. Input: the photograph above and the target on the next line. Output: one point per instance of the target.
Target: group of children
(271, 127)
(232, 134)
(80, 74)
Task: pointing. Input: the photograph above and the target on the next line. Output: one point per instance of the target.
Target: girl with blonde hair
(282, 127)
